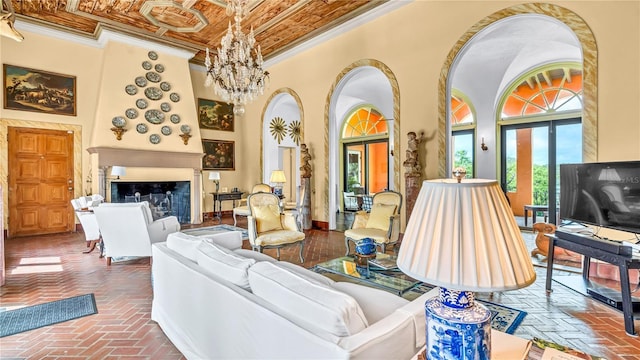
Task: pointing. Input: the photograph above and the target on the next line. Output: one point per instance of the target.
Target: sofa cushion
(319, 305)
(267, 217)
(375, 303)
(252, 254)
(224, 263)
(231, 240)
(379, 216)
(306, 273)
(184, 244)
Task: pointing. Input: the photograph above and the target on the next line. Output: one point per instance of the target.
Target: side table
(219, 197)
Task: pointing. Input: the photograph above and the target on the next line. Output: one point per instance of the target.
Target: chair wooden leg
(278, 252)
(346, 244)
(234, 219)
(383, 247)
(108, 260)
(301, 249)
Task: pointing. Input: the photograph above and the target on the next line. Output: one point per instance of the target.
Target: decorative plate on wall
(142, 103)
(141, 81)
(165, 106)
(119, 121)
(153, 76)
(154, 116)
(175, 118)
(131, 113)
(166, 130)
(153, 55)
(185, 128)
(131, 89)
(154, 138)
(165, 86)
(174, 97)
(153, 93)
(147, 65)
(160, 68)
(142, 128)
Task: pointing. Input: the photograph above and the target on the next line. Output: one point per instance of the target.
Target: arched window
(365, 139)
(541, 128)
(463, 129)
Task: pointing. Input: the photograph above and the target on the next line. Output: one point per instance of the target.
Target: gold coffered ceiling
(195, 24)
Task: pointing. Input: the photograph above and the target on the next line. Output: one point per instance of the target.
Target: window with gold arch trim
(463, 128)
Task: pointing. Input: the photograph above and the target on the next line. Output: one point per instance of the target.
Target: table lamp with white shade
(215, 176)
(278, 179)
(464, 238)
(118, 171)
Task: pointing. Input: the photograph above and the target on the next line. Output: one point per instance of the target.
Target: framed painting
(215, 115)
(39, 91)
(218, 155)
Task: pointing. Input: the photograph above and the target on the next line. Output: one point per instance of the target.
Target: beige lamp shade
(277, 177)
(463, 236)
(609, 174)
(118, 171)
(214, 175)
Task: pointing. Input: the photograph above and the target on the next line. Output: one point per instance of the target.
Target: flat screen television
(603, 194)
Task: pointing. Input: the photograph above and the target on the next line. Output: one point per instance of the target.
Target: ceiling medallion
(294, 131)
(236, 75)
(278, 129)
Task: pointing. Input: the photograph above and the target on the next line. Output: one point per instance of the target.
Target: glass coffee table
(392, 280)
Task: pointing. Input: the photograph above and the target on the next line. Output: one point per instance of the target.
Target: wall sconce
(118, 126)
(186, 130)
(118, 171)
(483, 146)
(215, 176)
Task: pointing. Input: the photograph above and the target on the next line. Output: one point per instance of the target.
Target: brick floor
(46, 268)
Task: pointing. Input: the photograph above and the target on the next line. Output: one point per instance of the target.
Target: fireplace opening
(165, 198)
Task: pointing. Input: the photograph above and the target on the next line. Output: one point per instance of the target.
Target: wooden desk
(219, 197)
(602, 250)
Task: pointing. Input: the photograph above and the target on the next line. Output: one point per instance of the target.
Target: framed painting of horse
(39, 91)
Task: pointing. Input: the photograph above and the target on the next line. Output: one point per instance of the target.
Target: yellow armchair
(269, 228)
(243, 209)
(382, 223)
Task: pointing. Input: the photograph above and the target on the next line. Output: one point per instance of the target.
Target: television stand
(604, 250)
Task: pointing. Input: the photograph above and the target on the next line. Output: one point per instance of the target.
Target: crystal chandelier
(236, 75)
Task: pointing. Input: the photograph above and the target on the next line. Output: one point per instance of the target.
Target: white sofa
(215, 300)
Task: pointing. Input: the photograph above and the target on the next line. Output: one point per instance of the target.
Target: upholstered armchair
(270, 228)
(83, 207)
(295, 207)
(382, 223)
(243, 209)
(128, 229)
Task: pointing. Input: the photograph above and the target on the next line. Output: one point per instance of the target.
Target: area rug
(36, 316)
(216, 229)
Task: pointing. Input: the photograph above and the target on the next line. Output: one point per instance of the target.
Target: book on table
(384, 261)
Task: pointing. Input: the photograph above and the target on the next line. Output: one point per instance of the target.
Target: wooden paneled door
(40, 181)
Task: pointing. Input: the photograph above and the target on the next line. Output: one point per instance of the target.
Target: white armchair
(269, 227)
(83, 207)
(128, 229)
(382, 224)
(243, 209)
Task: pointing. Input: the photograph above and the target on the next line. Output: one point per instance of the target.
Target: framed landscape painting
(39, 91)
(215, 115)
(218, 155)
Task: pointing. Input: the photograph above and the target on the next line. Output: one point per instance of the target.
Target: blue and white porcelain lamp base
(457, 327)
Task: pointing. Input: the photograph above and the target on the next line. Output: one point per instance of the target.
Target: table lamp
(277, 178)
(118, 171)
(215, 176)
(464, 238)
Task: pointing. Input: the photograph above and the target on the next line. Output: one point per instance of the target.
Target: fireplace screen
(165, 198)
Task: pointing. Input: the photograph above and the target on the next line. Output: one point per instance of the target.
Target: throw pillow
(267, 217)
(224, 263)
(307, 301)
(379, 216)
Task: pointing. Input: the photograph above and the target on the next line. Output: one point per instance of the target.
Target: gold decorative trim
(589, 74)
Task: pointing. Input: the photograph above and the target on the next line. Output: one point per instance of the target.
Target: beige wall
(432, 28)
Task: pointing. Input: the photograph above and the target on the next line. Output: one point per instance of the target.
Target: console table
(605, 250)
(219, 197)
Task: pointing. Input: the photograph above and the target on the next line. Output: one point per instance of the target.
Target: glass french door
(531, 155)
(366, 167)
